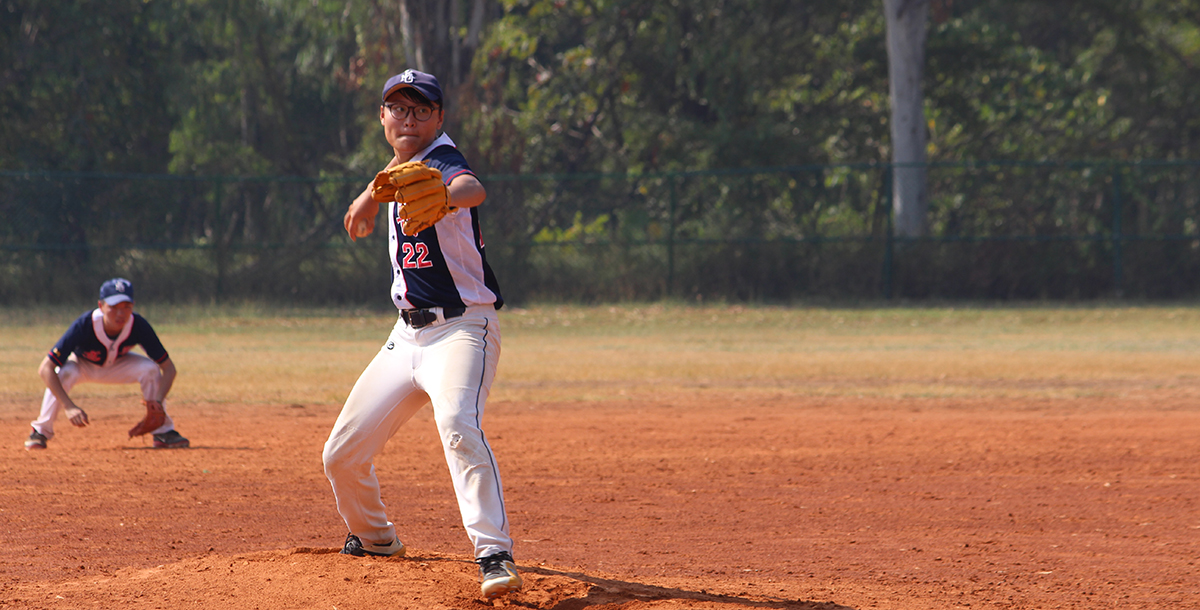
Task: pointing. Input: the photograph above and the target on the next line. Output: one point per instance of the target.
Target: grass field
(254, 355)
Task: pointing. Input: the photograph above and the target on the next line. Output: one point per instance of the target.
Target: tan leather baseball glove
(418, 188)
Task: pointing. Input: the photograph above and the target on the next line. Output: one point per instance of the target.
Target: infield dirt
(1023, 492)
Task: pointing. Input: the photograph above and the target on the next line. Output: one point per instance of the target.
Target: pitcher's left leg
(457, 374)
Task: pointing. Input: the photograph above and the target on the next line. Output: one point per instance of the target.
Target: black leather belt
(420, 318)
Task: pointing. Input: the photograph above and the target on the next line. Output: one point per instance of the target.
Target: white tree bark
(434, 38)
(455, 40)
(476, 27)
(414, 49)
(906, 33)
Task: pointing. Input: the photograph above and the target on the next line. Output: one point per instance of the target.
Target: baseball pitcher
(445, 345)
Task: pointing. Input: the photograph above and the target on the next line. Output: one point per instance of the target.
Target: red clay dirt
(703, 499)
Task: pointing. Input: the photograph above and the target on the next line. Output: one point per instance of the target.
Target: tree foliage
(236, 90)
(277, 87)
(621, 85)
(83, 84)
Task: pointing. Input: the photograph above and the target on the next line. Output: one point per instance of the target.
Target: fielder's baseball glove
(155, 416)
(419, 190)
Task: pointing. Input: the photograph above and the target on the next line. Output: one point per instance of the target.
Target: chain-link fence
(997, 230)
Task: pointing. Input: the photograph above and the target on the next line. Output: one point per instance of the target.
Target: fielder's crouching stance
(96, 349)
(446, 343)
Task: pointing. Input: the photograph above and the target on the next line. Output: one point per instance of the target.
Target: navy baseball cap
(116, 290)
(426, 84)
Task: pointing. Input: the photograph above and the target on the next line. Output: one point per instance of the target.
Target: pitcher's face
(409, 126)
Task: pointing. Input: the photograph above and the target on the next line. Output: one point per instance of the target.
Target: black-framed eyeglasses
(399, 112)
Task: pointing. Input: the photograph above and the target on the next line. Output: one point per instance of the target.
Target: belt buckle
(419, 318)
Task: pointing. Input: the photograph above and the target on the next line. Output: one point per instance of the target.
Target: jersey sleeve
(449, 161)
(143, 334)
(76, 333)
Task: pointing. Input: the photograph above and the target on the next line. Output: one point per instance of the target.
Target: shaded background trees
(237, 91)
(282, 88)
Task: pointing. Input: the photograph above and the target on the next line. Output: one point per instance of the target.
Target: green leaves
(80, 85)
(281, 87)
(620, 86)
(991, 96)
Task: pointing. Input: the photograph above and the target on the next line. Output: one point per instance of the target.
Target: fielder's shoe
(498, 575)
(354, 546)
(36, 441)
(170, 440)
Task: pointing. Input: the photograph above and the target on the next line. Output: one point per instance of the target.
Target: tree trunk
(434, 41)
(906, 32)
(414, 49)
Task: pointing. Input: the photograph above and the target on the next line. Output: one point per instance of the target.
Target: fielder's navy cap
(116, 290)
(427, 84)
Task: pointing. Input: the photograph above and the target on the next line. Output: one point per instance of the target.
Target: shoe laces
(493, 563)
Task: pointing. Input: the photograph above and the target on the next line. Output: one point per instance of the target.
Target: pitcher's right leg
(383, 398)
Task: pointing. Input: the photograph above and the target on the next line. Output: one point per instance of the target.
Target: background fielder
(96, 349)
(443, 349)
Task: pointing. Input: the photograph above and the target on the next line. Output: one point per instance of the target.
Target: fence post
(1117, 237)
(671, 238)
(889, 237)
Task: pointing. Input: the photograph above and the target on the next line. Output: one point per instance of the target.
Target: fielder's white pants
(451, 364)
(130, 368)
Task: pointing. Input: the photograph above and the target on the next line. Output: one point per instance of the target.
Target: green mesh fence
(997, 230)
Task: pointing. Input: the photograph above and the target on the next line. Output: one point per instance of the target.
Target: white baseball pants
(451, 364)
(130, 368)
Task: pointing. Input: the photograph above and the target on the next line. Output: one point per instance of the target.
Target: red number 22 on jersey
(415, 255)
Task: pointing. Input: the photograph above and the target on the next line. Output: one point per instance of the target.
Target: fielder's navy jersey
(444, 265)
(81, 338)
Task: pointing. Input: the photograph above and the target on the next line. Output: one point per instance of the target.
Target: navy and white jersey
(444, 265)
(87, 339)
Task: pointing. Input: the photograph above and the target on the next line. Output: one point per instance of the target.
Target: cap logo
(120, 286)
(407, 76)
